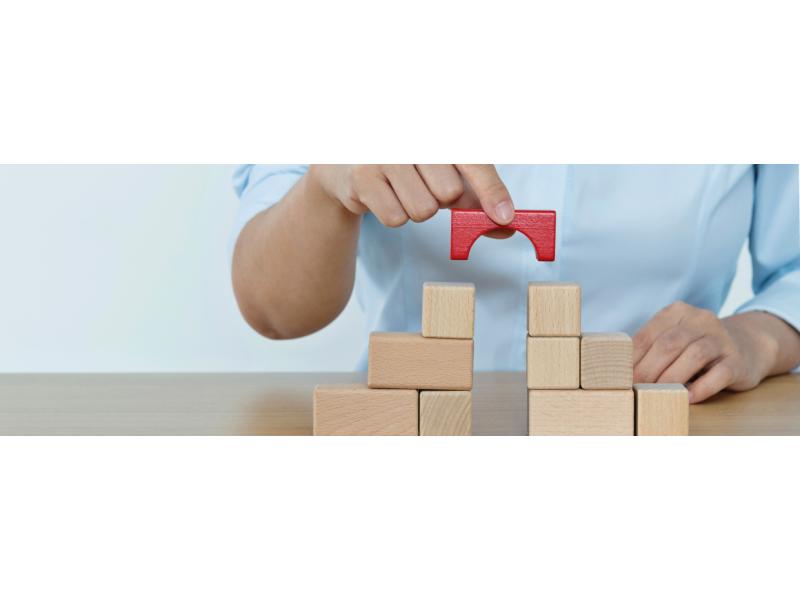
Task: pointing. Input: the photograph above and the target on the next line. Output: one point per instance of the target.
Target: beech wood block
(606, 361)
(554, 309)
(410, 361)
(580, 412)
(661, 409)
(468, 224)
(355, 409)
(448, 310)
(445, 413)
(554, 363)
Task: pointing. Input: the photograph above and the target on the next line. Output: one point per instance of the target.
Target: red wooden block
(468, 224)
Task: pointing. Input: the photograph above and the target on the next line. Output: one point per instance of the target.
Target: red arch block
(467, 225)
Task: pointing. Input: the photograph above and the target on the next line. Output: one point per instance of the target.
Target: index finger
(490, 190)
(644, 339)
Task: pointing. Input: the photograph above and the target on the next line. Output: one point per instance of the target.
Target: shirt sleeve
(259, 187)
(775, 243)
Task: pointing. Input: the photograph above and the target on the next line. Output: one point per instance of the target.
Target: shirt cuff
(781, 299)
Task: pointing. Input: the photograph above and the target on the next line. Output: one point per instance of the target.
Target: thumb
(490, 190)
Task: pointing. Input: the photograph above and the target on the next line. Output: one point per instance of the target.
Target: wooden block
(554, 363)
(554, 309)
(580, 412)
(445, 413)
(355, 409)
(410, 361)
(606, 361)
(448, 310)
(468, 224)
(661, 409)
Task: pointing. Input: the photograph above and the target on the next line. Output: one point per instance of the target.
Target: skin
(288, 285)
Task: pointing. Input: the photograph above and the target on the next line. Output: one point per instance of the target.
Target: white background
(125, 268)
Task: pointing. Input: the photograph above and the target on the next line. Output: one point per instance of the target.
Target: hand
(685, 344)
(397, 193)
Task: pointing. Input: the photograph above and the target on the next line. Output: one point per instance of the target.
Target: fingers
(443, 181)
(411, 191)
(490, 190)
(663, 352)
(420, 190)
(665, 319)
(379, 197)
(697, 356)
(715, 380)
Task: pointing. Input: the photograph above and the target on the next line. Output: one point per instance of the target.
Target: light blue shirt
(636, 238)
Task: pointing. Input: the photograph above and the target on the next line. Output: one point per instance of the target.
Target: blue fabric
(635, 237)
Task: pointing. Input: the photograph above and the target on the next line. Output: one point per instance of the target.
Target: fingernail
(504, 212)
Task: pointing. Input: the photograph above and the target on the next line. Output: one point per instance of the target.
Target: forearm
(294, 264)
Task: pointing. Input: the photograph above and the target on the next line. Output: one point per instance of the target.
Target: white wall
(124, 268)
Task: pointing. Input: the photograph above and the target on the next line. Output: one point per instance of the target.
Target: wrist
(320, 197)
(752, 331)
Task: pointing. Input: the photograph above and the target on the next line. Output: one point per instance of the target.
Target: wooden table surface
(280, 404)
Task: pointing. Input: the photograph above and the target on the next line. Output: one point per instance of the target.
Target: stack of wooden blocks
(417, 383)
(582, 384)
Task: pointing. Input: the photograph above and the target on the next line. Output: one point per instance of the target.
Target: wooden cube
(580, 412)
(606, 361)
(661, 409)
(410, 361)
(354, 409)
(554, 309)
(554, 363)
(445, 413)
(448, 310)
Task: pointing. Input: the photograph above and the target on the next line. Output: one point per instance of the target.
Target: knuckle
(726, 372)
(496, 192)
(423, 213)
(674, 341)
(360, 174)
(394, 219)
(678, 307)
(702, 351)
(451, 191)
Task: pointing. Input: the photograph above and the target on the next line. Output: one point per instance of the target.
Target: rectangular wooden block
(580, 412)
(606, 361)
(448, 310)
(661, 409)
(355, 409)
(445, 413)
(554, 309)
(410, 361)
(554, 363)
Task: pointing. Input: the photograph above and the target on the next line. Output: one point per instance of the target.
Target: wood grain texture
(661, 409)
(606, 361)
(445, 413)
(554, 309)
(580, 412)
(355, 409)
(554, 363)
(467, 225)
(281, 404)
(410, 361)
(448, 310)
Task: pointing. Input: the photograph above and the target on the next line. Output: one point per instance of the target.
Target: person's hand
(396, 194)
(685, 344)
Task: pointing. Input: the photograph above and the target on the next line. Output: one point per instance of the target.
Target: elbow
(264, 322)
(264, 328)
(261, 323)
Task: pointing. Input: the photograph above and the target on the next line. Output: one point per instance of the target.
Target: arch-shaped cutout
(467, 225)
